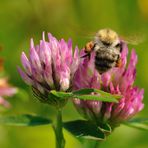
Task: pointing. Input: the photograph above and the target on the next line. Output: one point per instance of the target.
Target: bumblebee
(107, 47)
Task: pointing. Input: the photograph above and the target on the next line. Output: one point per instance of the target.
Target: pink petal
(26, 63)
(25, 77)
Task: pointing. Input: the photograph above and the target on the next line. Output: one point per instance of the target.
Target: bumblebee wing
(133, 39)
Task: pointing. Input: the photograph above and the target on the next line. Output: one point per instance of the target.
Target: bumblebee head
(107, 37)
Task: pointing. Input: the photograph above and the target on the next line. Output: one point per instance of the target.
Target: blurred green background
(22, 19)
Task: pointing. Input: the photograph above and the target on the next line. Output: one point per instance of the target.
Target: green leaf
(84, 91)
(24, 120)
(139, 123)
(85, 94)
(103, 95)
(106, 94)
(117, 96)
(97, 98)
(84, 129)
(60, 94)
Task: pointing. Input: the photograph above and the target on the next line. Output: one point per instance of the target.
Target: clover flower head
(51, 66)
(116, 81)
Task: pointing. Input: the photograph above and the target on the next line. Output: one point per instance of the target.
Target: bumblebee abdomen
(104, 64)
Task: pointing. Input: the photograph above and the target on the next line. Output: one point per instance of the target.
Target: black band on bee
(102, 69)
(97, 58)
(102, 65)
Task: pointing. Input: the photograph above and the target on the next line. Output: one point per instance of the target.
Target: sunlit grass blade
(139, 123)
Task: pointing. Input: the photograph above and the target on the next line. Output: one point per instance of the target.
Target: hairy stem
(60, 141)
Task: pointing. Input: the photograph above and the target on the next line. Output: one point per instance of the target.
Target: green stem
(91, 144)
(60, 141)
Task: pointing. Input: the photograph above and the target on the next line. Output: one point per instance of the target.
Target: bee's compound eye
(118, 45)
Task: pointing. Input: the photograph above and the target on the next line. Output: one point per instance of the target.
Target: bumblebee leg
(86, 55)
(88, 48)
